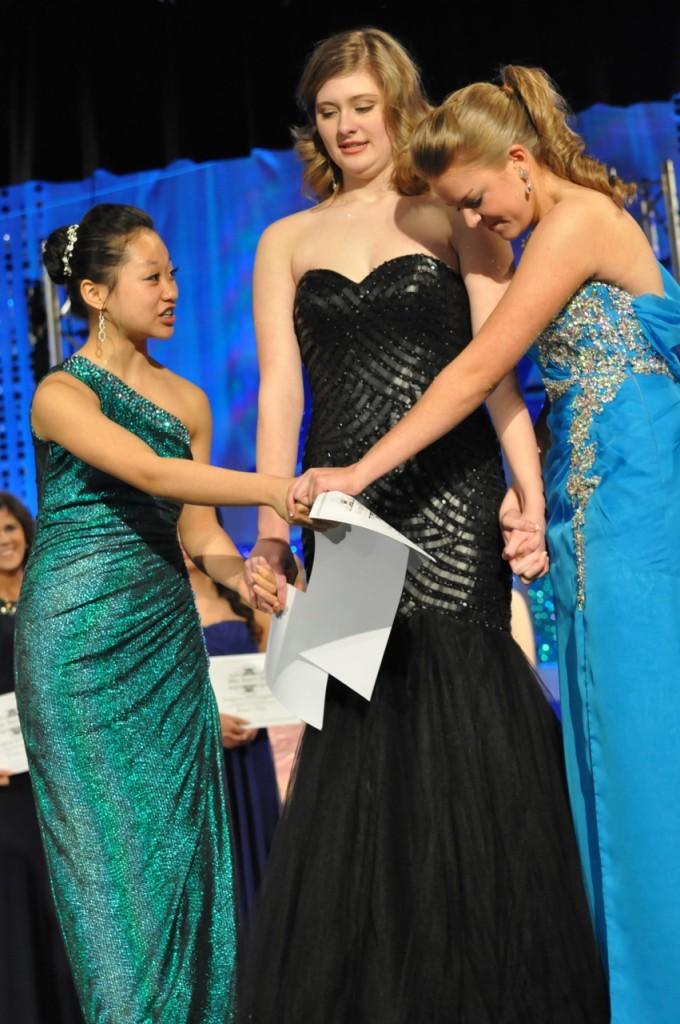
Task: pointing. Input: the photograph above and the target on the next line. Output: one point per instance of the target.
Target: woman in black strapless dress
(425, 868)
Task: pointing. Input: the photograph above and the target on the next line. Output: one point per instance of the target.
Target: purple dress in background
(253, 791)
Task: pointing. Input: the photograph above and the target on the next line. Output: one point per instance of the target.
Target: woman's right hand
(524, 539)
(294, 513)
(5, 777)
(278, 554)
(306, 488)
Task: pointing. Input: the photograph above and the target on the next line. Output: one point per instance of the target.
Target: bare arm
(487, 265)
(68, 413)
(557, 260)
(281, 395)
(204, 540)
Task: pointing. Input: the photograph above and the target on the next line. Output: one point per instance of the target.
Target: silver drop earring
(101, 333)
(524, 175)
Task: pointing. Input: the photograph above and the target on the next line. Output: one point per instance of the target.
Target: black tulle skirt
(425, 868)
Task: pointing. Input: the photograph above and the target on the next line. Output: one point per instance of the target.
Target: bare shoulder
(187, 401)
(58, 396)
(59, 386)
(480, 251)
(425, 219)
(581, 214)
(282, 235)
(426, 209)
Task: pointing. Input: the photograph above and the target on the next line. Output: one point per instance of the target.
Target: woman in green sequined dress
(115, 702)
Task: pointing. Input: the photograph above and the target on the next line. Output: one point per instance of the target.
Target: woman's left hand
(524, 538)
(306, 488)
(266, 588)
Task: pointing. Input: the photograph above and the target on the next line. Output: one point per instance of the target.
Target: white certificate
(241, 689)
(12, 749)
(341, 625)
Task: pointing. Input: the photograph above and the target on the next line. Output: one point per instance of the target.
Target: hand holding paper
(341, 625)
(12, 750)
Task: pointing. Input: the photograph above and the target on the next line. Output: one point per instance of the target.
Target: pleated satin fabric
(610, 362)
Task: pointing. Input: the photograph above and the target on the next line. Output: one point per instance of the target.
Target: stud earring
(101, 333)
(524, 175)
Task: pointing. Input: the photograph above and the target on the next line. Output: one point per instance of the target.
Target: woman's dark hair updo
(94, 250)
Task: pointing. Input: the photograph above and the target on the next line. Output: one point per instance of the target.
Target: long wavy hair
(479, 124)
(404, 104)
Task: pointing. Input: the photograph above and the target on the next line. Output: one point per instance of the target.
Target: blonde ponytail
(479, 124)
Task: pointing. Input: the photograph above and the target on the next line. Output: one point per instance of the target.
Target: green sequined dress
(123, 736)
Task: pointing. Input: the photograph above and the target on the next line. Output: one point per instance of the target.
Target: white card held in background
(240, 688)
(12, 749)
(341, 625)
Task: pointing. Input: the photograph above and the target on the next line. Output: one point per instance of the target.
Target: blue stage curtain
(210, 216)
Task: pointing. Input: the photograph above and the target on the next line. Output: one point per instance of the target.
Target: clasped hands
(523, 536)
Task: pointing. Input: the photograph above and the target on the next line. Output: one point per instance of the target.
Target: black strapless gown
(425, 867)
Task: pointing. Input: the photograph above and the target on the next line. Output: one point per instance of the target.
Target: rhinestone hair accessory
(72, 238)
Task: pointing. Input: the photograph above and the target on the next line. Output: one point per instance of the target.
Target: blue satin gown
(611, 368)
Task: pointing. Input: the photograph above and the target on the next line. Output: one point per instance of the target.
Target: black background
(134, 85)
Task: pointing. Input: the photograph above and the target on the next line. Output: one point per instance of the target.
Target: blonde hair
(404, 104)
(479, 124)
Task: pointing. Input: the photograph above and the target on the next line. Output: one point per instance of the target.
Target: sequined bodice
(586, 354)
(594, 343)
(370, 349)
(74, 494)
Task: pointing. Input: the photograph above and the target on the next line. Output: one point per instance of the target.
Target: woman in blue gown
(605, 320)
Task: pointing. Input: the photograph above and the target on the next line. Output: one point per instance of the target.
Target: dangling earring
(524, 175)
(101, 333)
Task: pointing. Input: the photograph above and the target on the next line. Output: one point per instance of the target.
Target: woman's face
(491, 197)
(350, 120)
(12, 542)
(142, 304)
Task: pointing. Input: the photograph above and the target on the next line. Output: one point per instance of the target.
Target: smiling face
(350, 121)
(142, 302)
(495, 198)
(13, 543)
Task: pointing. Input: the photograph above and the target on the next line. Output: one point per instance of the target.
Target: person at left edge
(35, 979)
(119, 720)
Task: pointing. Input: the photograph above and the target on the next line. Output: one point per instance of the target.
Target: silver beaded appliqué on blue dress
(587, 352)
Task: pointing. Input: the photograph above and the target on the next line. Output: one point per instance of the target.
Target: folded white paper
(12, 750)
(341, 625)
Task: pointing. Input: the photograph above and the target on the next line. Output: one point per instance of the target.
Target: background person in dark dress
(35, 979)
(231, 627)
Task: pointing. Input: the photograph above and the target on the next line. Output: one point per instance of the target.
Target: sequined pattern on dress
(370, 350)
(587, 352)
(122, 735)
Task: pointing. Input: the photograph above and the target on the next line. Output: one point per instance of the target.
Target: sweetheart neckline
(380, 266)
